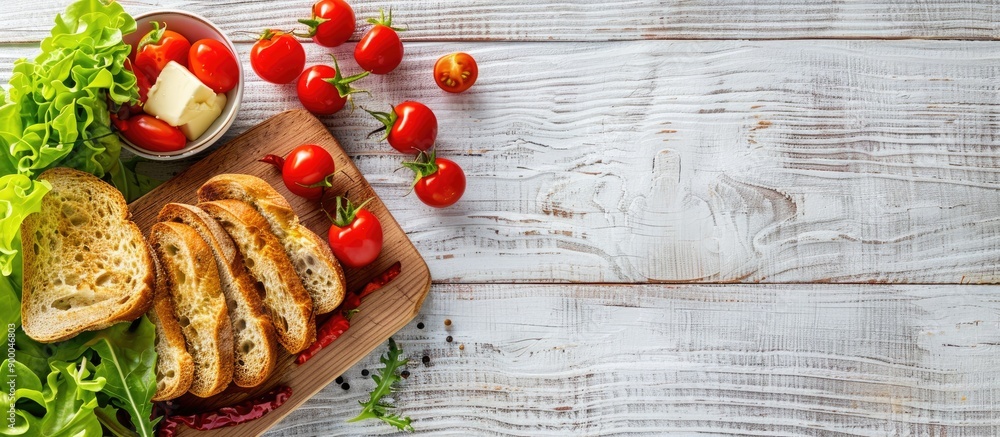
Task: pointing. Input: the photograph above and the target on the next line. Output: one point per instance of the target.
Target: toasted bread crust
(193, 280)
(312, 258)
(83, 221)
(287, 301)
(174, 366)
(256, 351)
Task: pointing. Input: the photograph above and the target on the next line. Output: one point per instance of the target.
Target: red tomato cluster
(410, 127)
(210, 61)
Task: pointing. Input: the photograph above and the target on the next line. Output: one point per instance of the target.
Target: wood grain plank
(770, 360)
(584, 20)
(844, 161)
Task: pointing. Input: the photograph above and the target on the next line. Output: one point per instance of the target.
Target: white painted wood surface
(714, 160)
(766, 360)
(586, 20)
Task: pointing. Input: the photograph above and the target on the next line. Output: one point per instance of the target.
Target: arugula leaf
(108, 416)
(385, 381)
(128, 363)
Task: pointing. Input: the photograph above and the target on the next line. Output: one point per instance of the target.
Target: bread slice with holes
(256, 350)
(174, 366)
(285, 298)
(193, 282)
(311, 255)
(86, 265)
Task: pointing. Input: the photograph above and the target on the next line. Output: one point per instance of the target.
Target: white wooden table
(770, 217)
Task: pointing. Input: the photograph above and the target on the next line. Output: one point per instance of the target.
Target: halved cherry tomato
(439, 182)
(410, 127)
(277, 57)
(332, 23)
(456, 72)
(380, 49)
(153, 134)
(306, 171)
(323, 90)
(214, 65)
(157, 48)
(355, 235)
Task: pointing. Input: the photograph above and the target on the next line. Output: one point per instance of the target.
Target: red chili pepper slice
(381, 280)
(227, 416)
(330, 331)
(333, 328)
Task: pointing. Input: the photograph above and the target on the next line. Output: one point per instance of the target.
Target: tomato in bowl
(184, 45)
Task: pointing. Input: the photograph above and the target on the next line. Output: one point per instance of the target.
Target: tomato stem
(313, 24)
(347, 211)
(153, 37)
(343, 84)
(384, 20)
(425, 165)
(327, 182)
(386, 118)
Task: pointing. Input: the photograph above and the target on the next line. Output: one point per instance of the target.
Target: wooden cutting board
(381, 315)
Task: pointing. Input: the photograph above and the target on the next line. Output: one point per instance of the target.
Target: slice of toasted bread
(174, 366)
(256, 348)
(193, 281)
(311, 255)
(285, 298)
(86, 266)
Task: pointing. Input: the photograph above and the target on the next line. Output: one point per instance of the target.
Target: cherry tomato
(153, 134)
(332, 23)
(214, 65)
(380, 50)
(411, 127)
(142, 82)
(355, 235)
(456, 72)
(439, 182)
(157, 48)
(277, 57)
(306, 170)
(323, 90)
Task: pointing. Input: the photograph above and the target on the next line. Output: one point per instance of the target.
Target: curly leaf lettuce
(56, 109)
(19, 197)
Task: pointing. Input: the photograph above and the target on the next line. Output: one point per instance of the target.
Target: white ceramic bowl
(194, 27)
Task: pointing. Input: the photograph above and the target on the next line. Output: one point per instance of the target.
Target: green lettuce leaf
(19, 197)
(56, 109)
(29, 391)
(70, 399)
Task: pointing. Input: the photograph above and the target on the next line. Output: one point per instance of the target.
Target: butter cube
(178, 96)
(198, 125)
